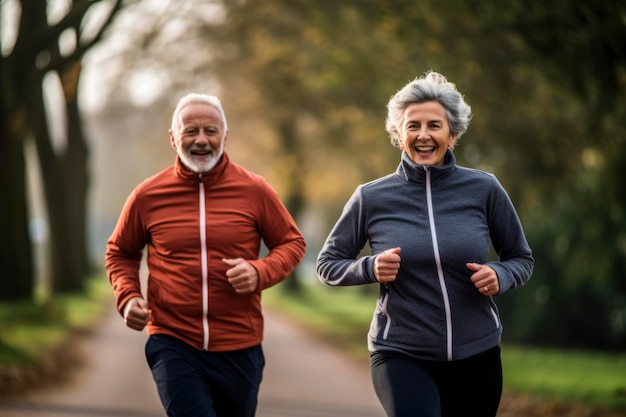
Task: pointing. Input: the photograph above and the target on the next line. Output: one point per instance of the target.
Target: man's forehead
(195, 109)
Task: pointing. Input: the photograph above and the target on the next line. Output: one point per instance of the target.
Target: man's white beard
(189, 161)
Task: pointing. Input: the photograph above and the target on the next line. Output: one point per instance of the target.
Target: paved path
(303, 378)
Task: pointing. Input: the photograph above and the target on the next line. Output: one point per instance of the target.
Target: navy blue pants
(407, 387)
(196, 383)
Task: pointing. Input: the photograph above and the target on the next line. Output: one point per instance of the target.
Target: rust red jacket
(189, 222)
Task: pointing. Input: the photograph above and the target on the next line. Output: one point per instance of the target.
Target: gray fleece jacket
(442, 217)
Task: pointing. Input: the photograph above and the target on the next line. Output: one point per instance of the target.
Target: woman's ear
(452, 141)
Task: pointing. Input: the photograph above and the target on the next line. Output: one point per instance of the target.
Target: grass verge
(36, 338)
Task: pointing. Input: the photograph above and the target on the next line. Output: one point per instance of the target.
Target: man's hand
(386, 265)
(242, 276)
(136, 313)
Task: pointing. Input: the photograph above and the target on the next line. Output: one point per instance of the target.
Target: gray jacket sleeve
(338, 263)
(515, 262)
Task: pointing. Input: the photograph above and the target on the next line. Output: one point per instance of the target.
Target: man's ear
(172, 139)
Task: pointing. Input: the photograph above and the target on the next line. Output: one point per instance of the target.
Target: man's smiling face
(200, 137)
(425, 134)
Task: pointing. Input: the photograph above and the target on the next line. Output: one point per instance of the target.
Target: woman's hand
(484, 278)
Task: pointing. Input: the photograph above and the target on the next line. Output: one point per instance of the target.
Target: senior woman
(435, 333)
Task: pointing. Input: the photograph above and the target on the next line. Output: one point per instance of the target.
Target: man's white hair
(197, 98)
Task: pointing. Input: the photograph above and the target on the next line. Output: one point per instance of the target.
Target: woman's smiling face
(425, 134)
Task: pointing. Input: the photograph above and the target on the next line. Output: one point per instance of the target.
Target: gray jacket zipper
(442, 282)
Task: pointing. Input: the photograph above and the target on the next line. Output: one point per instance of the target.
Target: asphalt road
(304, 377)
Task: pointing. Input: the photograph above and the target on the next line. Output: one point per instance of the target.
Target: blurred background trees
(305, 84)
(43, 44)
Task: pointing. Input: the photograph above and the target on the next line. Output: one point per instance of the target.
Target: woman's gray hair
(431, 87)
(197, 98)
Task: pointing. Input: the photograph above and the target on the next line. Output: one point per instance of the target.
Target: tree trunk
(77, 174)
(17, 275)
(36, 52)
(65, 186)
(294, 200)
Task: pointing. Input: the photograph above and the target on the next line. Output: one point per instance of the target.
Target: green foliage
(584, 40)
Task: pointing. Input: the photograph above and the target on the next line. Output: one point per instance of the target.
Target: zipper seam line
(384, 309)
(203, 254)
(442, 284)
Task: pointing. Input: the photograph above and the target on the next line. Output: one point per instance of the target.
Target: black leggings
(407, 387)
